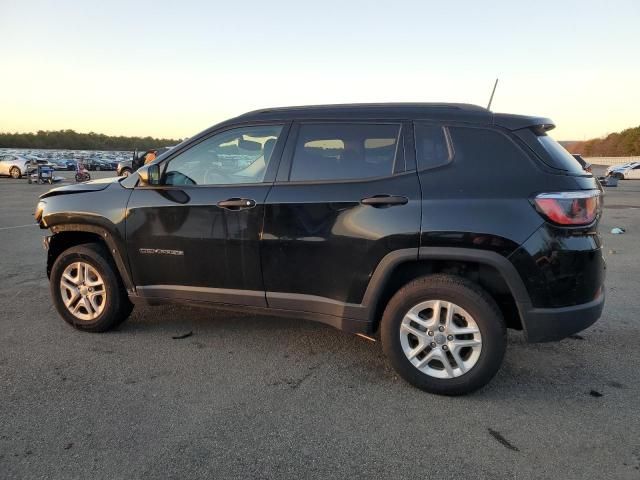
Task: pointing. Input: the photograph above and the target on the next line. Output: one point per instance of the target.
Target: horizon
(177, 138)
(162, 71)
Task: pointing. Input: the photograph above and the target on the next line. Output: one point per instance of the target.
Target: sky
(172, 69)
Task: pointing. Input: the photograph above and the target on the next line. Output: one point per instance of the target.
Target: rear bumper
(549, 324)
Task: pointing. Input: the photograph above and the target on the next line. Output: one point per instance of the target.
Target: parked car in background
(626, 171)
(14, 166)
(369, 218)
(99, 164)
(61, 164)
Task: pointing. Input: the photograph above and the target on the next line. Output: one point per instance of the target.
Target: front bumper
(549, 324)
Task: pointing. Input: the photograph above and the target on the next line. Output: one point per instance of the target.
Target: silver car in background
(626, 171)
(15, 166)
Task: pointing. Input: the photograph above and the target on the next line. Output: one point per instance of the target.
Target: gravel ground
(254, 397)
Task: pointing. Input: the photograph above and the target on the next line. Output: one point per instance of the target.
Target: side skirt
(345, 324)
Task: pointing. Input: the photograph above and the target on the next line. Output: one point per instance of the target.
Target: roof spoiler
(540, 125)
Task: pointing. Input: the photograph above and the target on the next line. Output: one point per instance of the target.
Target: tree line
(72, 140)
(621, 144)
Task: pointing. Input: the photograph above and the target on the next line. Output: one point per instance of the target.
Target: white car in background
(14, 166)
(624, 172)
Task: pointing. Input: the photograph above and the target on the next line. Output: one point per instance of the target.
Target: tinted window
(431, 146)
(240, 155)
(344, 151)
(486, 152)
(559, 156)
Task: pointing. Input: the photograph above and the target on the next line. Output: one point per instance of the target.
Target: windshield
(559, 156)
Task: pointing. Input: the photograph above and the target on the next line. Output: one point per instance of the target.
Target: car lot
(248, 396)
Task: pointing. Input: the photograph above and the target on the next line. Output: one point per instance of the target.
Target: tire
(113, 309)
(125, 172)
(619, 176)
(474, 311)
(15, 173)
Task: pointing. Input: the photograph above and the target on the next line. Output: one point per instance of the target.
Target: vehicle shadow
(571, 367)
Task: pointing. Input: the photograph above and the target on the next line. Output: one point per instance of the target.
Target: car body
(627, 171)
(14, 166)
(435, 226)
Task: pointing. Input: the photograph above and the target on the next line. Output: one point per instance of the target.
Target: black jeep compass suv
(436, 226)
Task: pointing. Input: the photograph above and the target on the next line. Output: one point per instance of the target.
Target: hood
(90, 186)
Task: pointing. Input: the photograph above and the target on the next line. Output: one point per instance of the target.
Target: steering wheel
(213, 176)
(177, 178)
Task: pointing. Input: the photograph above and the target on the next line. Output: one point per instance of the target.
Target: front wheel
(15, 173)
(125, 172)
(619, 176)
(87, 290)
(444, 334)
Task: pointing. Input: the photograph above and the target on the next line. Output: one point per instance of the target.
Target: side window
(483, 151)
(340, 151)
(240, 155)
(432, 149)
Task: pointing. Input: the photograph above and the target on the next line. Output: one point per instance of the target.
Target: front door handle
(384, 200)
(237, 203)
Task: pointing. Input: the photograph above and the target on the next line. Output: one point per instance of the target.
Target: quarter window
(240, 155)
(483, 152)
(344, 151)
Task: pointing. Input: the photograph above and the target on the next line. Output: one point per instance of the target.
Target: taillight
(569, 208)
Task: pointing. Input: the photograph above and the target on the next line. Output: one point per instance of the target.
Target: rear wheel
(125, 172)
(87, 290)
(15, 173)
(444, 334)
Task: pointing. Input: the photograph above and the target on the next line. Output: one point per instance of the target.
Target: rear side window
(432, 149)
(342, 151)
(484, 152)
(559, 156)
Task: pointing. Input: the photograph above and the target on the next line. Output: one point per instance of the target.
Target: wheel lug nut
(444, 347)
(433, 344)
(441, 328)
(430, 333)
(450, 337)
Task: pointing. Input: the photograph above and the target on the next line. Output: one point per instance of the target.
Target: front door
(196, 235)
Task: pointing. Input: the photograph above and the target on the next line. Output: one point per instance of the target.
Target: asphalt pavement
(248, 396)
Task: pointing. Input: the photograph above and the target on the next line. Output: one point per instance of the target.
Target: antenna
(492, 92)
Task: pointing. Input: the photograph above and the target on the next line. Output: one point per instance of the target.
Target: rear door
(196, 235)
(344, 198)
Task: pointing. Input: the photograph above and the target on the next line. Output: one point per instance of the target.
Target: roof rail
(343, 106)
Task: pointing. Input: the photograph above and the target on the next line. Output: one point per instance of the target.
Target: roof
(459, 112)
(381, 110)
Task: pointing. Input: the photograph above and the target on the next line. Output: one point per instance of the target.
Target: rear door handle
(384, 200)
(237, 203)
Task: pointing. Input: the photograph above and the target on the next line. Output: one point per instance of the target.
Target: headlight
(39, 210)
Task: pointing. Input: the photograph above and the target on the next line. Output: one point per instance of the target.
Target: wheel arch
(494, 272)
(69, 235)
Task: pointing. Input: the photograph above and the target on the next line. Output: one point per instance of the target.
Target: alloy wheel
(83, 291)
(440, 338)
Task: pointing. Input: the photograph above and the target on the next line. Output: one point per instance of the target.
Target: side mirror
(149, 174)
